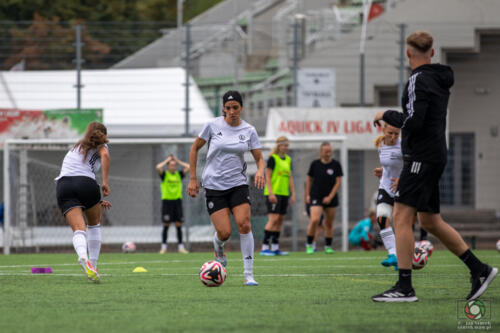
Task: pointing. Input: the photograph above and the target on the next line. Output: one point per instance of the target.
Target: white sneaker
(250, 281)
(91, 272)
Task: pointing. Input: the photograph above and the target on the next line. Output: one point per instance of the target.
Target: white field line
(191, 268)
(259, 260)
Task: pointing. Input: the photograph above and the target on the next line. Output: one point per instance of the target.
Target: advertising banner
(355, 123)
(46, 124)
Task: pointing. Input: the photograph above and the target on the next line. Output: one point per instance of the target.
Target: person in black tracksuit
(423, 125)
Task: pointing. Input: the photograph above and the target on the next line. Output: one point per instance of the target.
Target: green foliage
(298, 293)
(42, 31)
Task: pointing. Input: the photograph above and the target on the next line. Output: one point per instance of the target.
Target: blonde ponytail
(280, 140)
(379, 140)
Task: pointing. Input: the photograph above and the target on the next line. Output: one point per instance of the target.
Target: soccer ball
(128, 247)
(212, 274)
(419, 258)
(498, 245)
(426, 245)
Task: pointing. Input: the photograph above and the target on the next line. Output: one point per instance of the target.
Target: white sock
(246, 243)
(164, 246)
(80, 244)
(94, 241)
(389, 240)
(314, 245)
(218, 246)
(274, 247)
(265, 247)
(180, 246)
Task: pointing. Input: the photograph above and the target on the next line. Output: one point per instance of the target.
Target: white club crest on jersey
(329, 171)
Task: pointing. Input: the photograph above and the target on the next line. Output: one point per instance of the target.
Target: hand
(327, 200)
(259, 180)
(105, 189)
(394, 185)
(308, 199)
(106, 204)
(168, 159)
(378, 117)
(292, 199)
(193, 187)
(272, 198)
(377, 172)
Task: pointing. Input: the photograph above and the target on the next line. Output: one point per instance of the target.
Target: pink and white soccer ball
(420, 257)
(498, 245)
(427, 246)
(212, 274)
(128, 247)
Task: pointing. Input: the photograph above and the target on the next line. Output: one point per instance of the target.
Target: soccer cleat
(222, 260)
(250, 281)
(309, 249)
(278, 252)
(267, 253)
(163, 251)
(91, 272)
(183, 250)
(396, 294)
(480, 282)
(391, 260)
(329, 250)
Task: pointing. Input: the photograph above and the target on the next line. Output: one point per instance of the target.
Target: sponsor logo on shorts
(210, 204)
(396, 194)
(380, 196)
(314, 202)
(166, 217)
(329, 171)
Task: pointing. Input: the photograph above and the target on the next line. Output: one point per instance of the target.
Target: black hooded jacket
(423, 121)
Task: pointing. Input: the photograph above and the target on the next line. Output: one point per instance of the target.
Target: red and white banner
(355, 123)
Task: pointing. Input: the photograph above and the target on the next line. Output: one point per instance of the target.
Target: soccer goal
(32, 221)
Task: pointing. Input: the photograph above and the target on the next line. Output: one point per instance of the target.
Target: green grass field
(297, 293)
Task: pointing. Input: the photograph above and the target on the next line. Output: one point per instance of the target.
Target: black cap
(232, 95)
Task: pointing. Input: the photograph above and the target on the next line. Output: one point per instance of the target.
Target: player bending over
(78, 193)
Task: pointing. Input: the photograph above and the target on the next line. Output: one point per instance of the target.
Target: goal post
(32, 220)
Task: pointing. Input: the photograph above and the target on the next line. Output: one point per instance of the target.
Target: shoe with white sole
(250, 281)
(91, 272)
(481, 282)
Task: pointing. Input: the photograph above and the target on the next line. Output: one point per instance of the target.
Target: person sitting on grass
(361, 234)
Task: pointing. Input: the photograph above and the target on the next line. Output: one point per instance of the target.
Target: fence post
(401, 83)
(6, 192)
(78, 61)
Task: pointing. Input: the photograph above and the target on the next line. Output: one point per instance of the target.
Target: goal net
(33, 222)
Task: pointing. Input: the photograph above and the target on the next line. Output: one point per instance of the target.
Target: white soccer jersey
(74, 165)
(225, 166)
(391, 159)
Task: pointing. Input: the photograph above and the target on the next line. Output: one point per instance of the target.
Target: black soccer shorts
(77, 191)
(419, 186)
(277, 208)
(235, 196)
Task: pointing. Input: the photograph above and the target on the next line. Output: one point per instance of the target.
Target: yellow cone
(139, 270)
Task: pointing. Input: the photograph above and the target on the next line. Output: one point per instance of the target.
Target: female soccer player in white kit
(391, 159)
(78, 193)
(224, 177)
